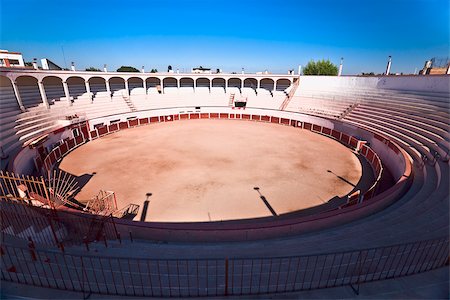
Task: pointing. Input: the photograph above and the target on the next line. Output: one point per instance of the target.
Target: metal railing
(127, 276)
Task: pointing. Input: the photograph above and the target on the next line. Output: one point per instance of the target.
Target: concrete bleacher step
(416, 121)
(434, 141)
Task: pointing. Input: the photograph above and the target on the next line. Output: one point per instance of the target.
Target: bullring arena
(206, 170)
(228, 185)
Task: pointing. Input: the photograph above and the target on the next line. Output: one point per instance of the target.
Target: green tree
(321, 67)
(127, 69)
(154, 71)
(92, 69)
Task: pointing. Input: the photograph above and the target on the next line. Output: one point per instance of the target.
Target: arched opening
(218, 85)
(117, 86)
(153, 85)
(186, 82)
(186, 85)
(267, 84)
(8, 97)
(136, 86)
(234, 82)
(251, 83)
(170, 85)
(29, 91)
(202, 85)
(97, 85)
(202, 82)
(53, 89)
(77, 86)
(283, 84)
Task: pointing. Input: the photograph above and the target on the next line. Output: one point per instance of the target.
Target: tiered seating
(417, 121)
(54, 93)
(9, 110)
(30, 95)
(77, 90)
(37, 121)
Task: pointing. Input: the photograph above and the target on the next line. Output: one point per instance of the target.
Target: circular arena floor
(206, 170)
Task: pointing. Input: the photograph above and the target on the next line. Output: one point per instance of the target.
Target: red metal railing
(128, 276)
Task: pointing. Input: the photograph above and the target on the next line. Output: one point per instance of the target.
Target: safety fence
(56, 228)
(128, 276)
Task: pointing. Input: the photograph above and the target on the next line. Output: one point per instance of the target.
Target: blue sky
(231, 34)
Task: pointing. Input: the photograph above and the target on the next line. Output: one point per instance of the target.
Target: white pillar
(340, 67)
(144, 85)
(108, 89)
(274, 85)
(104, 68)
(242, 84)
(226, 85)
(388, 67)
(210, 86)
(72, 67)
(35, 65)
(127, 92)
(142, 70)
(43, 95)
(258, 83)
(88, 90)
(16, 92)
(195, 85)
(66, 92)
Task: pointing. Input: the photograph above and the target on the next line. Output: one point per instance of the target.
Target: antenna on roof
(64, 56)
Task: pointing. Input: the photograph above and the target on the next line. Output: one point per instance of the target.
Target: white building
(11, 59)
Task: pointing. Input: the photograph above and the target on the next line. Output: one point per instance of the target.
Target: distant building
(11, 59)
(49, 65)
(201, 70)
(436, 66)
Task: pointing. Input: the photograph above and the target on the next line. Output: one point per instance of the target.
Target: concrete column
(108, 88)
(299, 70)
(104, 68)
(144, 84)
(258, 83)
(127, 91)
(274, 85)
(226, 85)
(88, 90)
(72, 67)
(66, 92)
(43, 95)
(18, 98)
(210, 86)
(178, 83)
(340, 67)
(388, 67)
(242, 84)
(195, 85)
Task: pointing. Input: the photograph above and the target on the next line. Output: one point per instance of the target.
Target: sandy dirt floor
(201, 170)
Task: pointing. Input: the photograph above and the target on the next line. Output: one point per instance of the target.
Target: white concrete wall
(437, 83)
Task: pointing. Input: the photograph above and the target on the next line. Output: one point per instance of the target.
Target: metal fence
(217, 277)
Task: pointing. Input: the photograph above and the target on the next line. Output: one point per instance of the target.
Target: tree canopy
(154, 71)
(127, 69)
(321, 67)
(92, 69)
